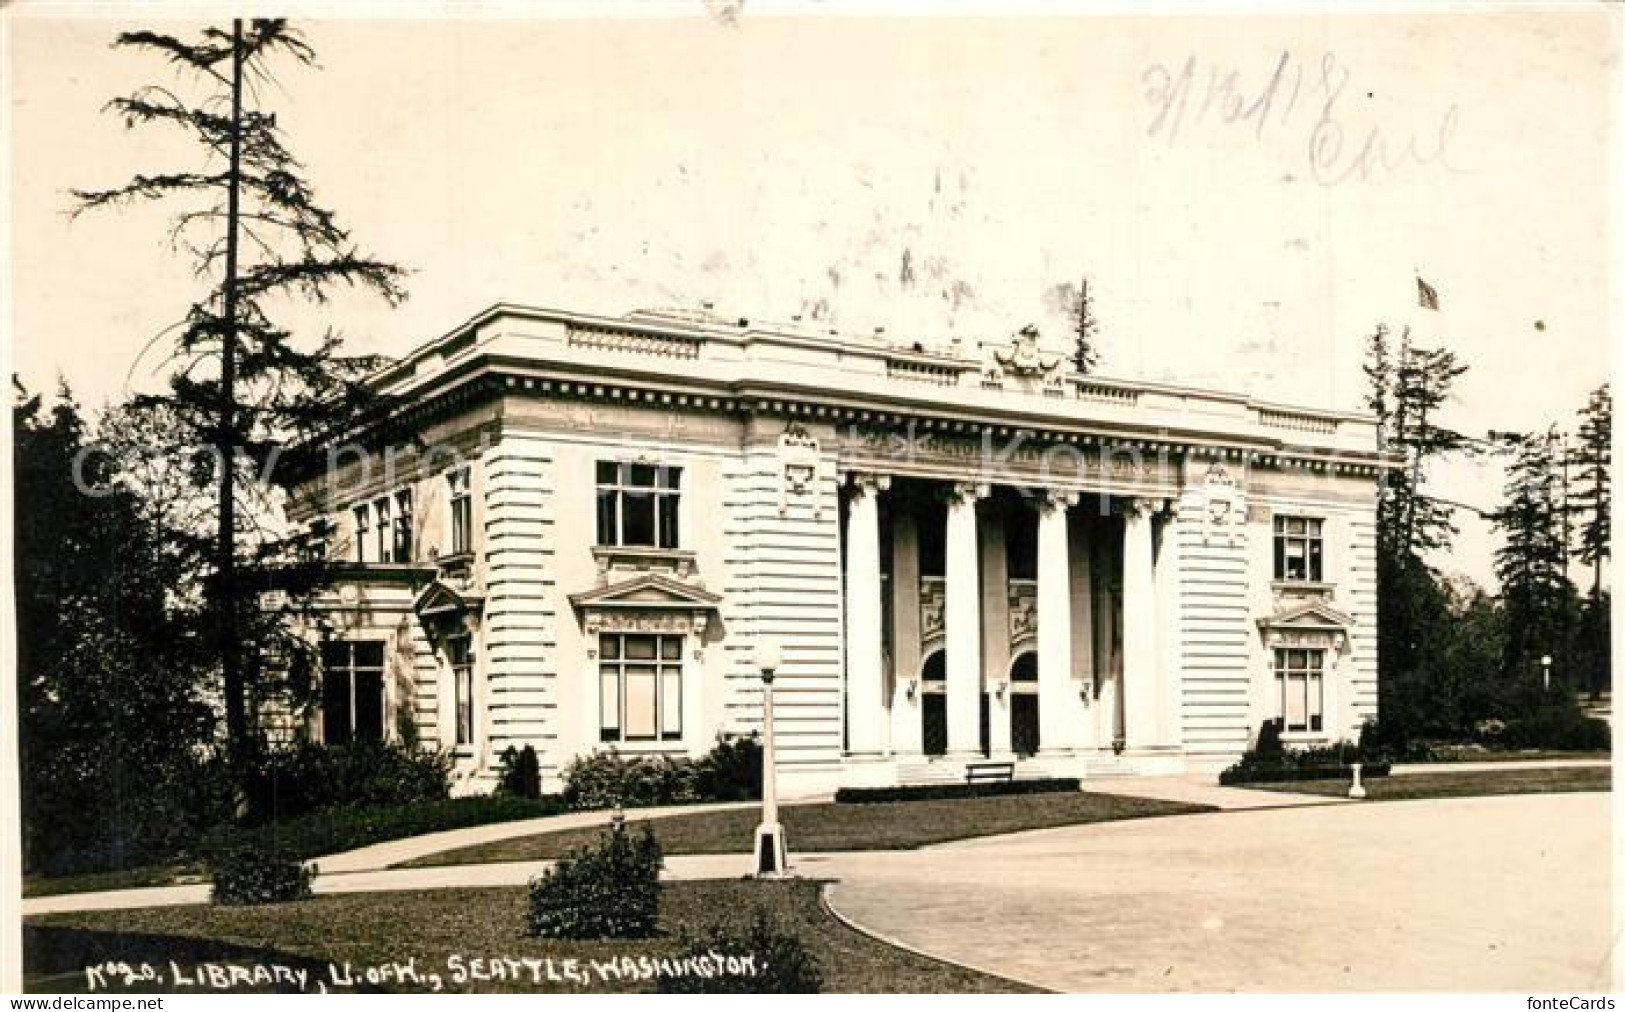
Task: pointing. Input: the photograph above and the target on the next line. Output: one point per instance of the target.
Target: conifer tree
(244, 386)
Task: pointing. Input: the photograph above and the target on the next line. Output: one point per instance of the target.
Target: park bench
(990, 773)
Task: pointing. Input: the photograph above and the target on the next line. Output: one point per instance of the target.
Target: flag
(1426, 295)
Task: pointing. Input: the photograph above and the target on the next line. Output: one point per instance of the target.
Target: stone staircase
(952, 771)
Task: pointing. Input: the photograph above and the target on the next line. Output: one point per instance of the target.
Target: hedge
(948, 792)
(1271, 773)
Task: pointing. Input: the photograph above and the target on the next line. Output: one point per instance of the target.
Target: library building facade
(574, 531)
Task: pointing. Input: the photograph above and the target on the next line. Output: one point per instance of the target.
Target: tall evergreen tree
(1532, 563)
(1591, 499)
(1408, 390)
(1085, 353)
(244, 386)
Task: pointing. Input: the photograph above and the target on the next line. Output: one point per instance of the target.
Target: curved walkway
(1471, 894)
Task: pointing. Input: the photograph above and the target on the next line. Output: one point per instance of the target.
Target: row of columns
(1150, 702)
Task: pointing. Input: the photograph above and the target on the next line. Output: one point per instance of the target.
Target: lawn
(438, 928)
(1458, 783)
(101, 881)
(899, 825)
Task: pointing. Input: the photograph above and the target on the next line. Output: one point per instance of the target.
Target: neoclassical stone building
(575, 528)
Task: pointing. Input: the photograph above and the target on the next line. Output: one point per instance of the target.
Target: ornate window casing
(1306, 645)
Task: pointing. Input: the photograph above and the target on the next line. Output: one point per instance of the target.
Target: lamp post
(770, 851)
(1546, 672)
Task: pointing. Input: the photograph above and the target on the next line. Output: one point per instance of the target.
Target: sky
(1249, 194)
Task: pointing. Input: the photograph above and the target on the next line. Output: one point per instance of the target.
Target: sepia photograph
(732, 496)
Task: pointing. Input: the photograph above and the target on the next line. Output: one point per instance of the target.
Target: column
(995, 620)
(905, 625)
(1139, 628)
(1058, 726)
(866, 723)
(1170, 686)
(962, 622)
(1083, 630)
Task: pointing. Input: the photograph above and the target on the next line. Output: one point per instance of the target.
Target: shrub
(782, 964)
(607, 779)
(307, 777)
(1555, 727)
(1322, 762)
(521, 774)
(611, 890)
(732, 770)
(941, 792)
(256, 873)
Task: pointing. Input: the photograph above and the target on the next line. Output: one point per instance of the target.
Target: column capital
(966, 491)
(868, 482)
(1144, 506)
(1050, 499)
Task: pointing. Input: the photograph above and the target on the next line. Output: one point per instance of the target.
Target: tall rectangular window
(361, 514)
(640, 687)
(386, 535)
(461, 511)
(403, 525)
(460, 655)
(352, 691)
(1299, 677)
(637, 505)
(1299, 549)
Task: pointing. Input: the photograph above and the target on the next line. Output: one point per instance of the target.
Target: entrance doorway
(1024, 704)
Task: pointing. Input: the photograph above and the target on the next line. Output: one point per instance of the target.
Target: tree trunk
(231, 667)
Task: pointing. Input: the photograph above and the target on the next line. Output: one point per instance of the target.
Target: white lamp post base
(1357, 789)
(771, 861)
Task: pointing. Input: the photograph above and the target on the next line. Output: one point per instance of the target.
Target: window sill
(643, 559)
(1303, 587)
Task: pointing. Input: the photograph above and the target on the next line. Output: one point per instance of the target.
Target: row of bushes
(292, 781)
(1270, 762)
(945, 792)
(1559, 728)
(731, 771)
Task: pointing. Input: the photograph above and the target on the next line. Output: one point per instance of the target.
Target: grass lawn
(1458, 783)
(128, 878)
(1478, 755)
(432, 926)
(897, 825)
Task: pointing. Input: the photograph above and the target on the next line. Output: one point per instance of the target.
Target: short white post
(1357, 789)
(770, 850)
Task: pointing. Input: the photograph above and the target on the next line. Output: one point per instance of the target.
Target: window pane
(369, 706)
(606, 518)
(641, 475)
(1280, 558)
(609, 703)
(369, 654)
(671, 703)
(671, 477)
(336, 708)
(671, 647)
(1280, 525)
(1316, 703)
(608, 472)
(640, 702)
(668, 521)
(640, 648)
(609, 647)
(335, 655)
(459, 525)
(1296, 708)
(638, 524)
(1314, 560)
(464, 679)
(1314, 527)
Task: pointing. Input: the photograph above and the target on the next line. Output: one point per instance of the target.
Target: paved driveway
(1499, 894)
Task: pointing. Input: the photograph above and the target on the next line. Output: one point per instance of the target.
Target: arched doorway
(1024, 704)
(934, 704)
